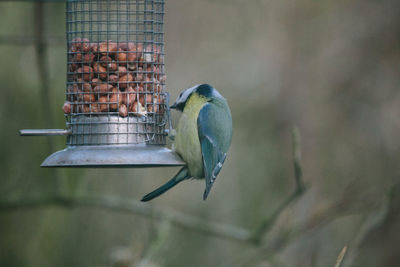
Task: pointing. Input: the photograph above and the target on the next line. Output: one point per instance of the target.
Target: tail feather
(214, 173)
(179, 177)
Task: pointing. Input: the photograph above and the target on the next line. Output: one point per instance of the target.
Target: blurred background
(331, 68)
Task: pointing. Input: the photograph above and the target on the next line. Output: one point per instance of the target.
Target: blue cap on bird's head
(205, 90)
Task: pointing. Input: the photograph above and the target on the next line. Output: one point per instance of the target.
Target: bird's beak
(173, 106)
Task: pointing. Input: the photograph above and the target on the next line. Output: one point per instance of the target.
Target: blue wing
(215, 132)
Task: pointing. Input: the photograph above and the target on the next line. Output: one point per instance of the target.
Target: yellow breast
(187, 143)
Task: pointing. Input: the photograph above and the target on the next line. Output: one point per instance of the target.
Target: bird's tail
(183, 174)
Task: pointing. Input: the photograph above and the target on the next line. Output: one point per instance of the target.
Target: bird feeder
(116, 107)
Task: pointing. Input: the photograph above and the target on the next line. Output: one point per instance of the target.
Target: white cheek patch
(185, 95)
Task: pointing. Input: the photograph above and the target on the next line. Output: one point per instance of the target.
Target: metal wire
(115, 73)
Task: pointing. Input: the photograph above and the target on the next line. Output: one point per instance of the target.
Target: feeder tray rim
(114, 156)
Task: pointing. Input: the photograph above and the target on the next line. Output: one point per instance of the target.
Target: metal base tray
(114, 156)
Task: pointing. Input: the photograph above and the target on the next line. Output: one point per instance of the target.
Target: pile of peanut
(119, 78)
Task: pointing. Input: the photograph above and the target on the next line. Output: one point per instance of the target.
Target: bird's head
(204, 90)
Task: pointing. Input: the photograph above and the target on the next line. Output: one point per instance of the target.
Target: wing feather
(209, 128)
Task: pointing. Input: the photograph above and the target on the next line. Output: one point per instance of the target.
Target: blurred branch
(161, 235)
(267, 250)
(135, 207)
(267, 224)
(371, 223)
(43, 69)
(341, 256)
(298, 173)
(31, 40)
(132, 207)
(44, 79)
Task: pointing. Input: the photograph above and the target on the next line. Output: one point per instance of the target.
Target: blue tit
(203, 136)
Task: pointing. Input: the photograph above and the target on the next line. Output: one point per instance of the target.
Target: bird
(203, 137)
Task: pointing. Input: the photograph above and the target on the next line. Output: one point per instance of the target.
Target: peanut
(104, 61)
(121, 70)
(148, 85)
(100, 70)
(138, 109)
(67, 107)
(85, 73)
(147, 55)
(139, 52)
(103, 106)
(86, 108)
(121, 56)
(89, 98)
(123, 110)
(132, 56)
(88, 58)
(108, 48)
(113, 99)
(95, 81)
(127, 97)
(124, 80)
(139, 88)
(134, 107)
(103, 88)
(122, 98)
(145, 99)
(76, 44)
(127, 46)
(72, 67)
(155, 69)
(131, 96)
(85, 45)
(77, 58)
(113, 78)
(94, 47)
(139, 74)
(86, 87)
(73, 88)
(94, 108)
(112, 66)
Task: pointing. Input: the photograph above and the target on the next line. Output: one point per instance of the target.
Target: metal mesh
(115, 73)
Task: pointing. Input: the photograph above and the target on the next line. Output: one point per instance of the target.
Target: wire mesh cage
(115, 79)
(116, 107)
